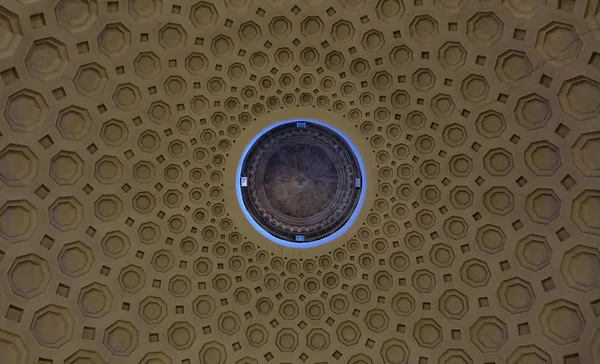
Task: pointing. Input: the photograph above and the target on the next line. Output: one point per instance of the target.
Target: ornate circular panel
(300, 183)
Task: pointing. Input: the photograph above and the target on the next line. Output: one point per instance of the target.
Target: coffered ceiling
(122, 122)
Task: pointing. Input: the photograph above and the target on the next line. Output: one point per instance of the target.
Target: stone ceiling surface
(122, 122)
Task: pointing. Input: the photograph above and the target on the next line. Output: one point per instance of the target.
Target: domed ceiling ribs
(118, 126)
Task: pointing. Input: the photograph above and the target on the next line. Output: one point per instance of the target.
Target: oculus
(300, 183)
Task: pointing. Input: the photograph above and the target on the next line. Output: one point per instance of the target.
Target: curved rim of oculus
(298, 242)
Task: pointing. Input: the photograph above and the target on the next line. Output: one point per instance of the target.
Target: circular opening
(300, 183)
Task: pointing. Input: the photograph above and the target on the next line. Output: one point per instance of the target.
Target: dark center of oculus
(302, 181)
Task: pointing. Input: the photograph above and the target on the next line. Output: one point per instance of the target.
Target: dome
(299, 182)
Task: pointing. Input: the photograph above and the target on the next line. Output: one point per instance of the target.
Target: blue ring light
(291, 244)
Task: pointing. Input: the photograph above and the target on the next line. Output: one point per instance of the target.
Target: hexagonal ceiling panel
(122, 123)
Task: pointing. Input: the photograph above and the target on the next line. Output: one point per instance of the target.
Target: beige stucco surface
(122, 123)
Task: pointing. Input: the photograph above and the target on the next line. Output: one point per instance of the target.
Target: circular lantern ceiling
(300, 183)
